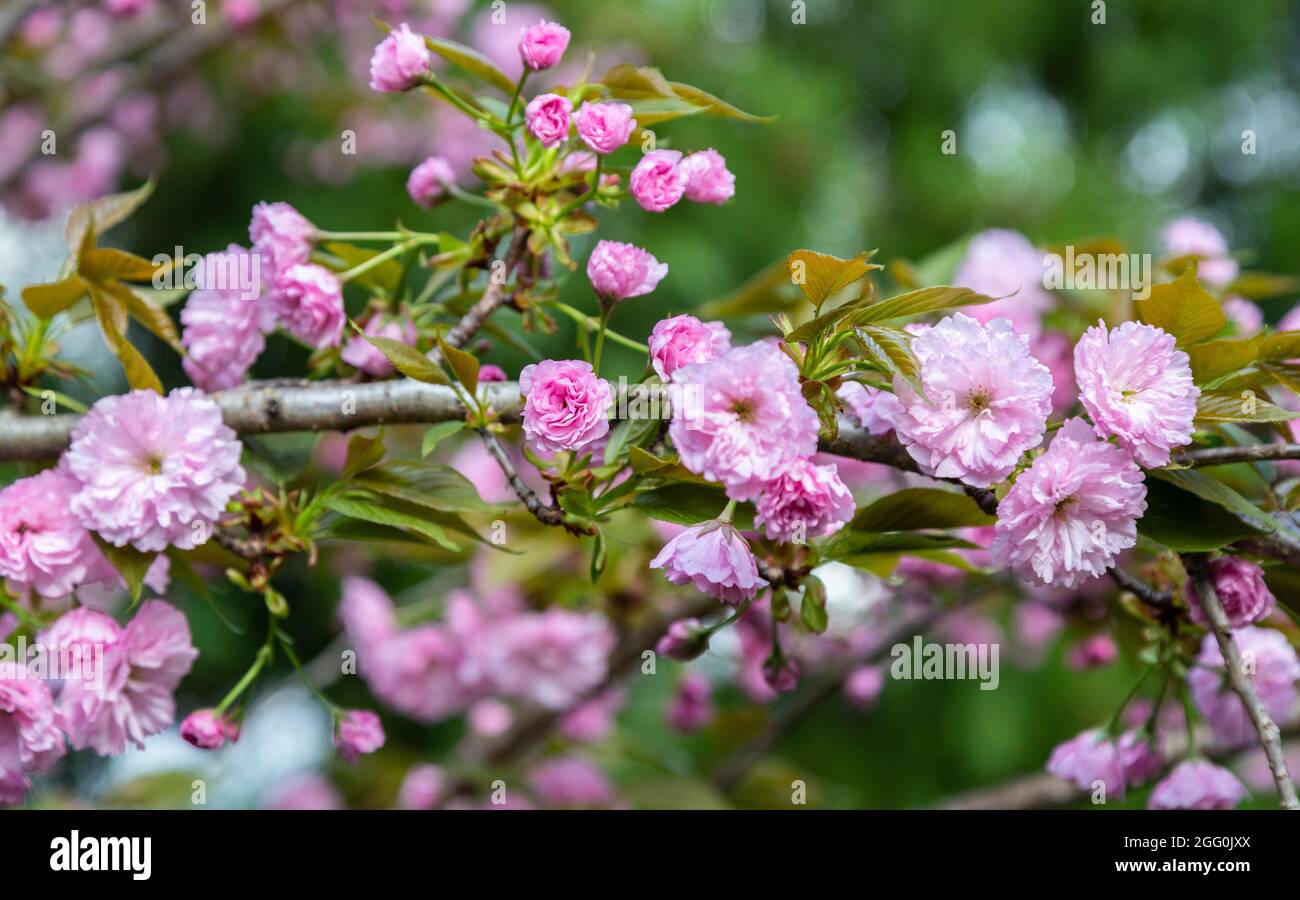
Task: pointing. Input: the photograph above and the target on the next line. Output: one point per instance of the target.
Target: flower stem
(606, 311)
(395, 250)
(728, 512)
(589, 323)
(334, 709)
(591, 192)
(362, 235)
(514, 99)
(259, 663)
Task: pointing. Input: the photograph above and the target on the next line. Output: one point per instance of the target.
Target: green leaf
(471, 61)
(153, 317)
(363, 453)
(599, 555)
(60, 399)
(108, 310)
(437, 434)
(890, 351)
(844, 545)
(107, 264)
(1286, 374)
(1185, 523)
(1214, 491)
(386, 276)
(816, 325)
(1283, 345)
(426, 484)
(1263, 285)
(1184, 309)
(715, 106)
(1213, 407)
(915, 508)
(407, 360)
(104, 213)
(821, 276)
(627, 82)
(369, 508)
(643, 461)
(48, 300)
(130, 563)
(463, 365)
(1214, 359)
(655, 110)
(918, 302)
(691, 504)
(812, 609)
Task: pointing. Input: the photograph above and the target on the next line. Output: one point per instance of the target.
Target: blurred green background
(1064, 129)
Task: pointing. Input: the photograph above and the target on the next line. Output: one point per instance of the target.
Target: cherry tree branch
(1218, 456)
(1240, 681)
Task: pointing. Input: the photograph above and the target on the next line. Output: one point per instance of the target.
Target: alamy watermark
(922, 661)
(1098, 271)
(221, 271)
(82, 661)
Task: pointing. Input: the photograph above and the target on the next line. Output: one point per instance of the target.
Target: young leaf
(363, 453)
(368, 507)
(107, 264)
(914, 303)
(130, 563)
(471, 61)
(821, 276)
(407, 360)
(47, 300)
(690, 504)
(1214, 406)
(104, 213)
(426, 484)
(463, 365)
(915, 508)
(436, 434)
(1283, 345)
(1184, 309)
(1214, 359)
(139, 374)
(812, 609)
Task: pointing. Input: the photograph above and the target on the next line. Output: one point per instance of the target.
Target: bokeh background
(1065, 129)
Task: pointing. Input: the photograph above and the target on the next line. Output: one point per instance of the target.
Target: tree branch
(493, 296)
(1241, 683)
(1218, 456)
(547, 515)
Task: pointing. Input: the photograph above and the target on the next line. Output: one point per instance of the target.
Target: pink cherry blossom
(691, 707)
(593, 720)
(132, 697)
(715, 558)
(682, 340)
(365, 356)
(1241, 590)
(1136, 385)
(604, 127)
(873, 408)
(423, 787)
(154, 471)
(488, 373)
(543, 45)
(548, 117)
(552, 658)
(803, 502)
(743, 419)
(208, 729)
(223, 322)
(428, 181)
(398, 61)
(1087, 759)
(281, 236)
(985, 404)
(1246, 317)
(308, 302)
(43, 546)
(566, 405)
(657, 182)
(1187, 236)
(1276, 669)
(1197, 784)
(1003, 263)
(863, 686)
(571, 782)
(619, 271)
(1066, 519)
(707, 178)
(358, 732)
(30, 739)
(684, 640)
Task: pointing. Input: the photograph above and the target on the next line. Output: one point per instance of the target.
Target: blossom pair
(663, 177)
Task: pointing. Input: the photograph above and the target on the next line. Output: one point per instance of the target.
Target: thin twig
(1161, 601)
(1239, 680)
(493, 296)
(546, 514)
(1218, 456)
